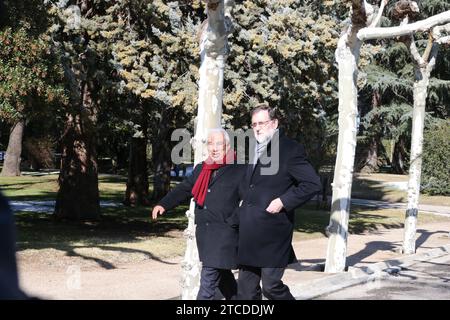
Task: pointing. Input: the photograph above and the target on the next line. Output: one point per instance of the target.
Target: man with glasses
(266, 214)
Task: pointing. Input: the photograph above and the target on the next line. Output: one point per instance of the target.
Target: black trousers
(272, 287)
(212, 279)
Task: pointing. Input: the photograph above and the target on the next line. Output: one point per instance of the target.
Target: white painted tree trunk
(214, 51)
(422, 77)
(347, 56)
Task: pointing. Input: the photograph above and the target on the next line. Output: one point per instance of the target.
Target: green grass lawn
(30, 187)
(45, 187)
(370, 186)
(121, 235)
(310, 222)
(125, 234)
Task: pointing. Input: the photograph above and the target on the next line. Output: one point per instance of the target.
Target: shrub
(436, 159)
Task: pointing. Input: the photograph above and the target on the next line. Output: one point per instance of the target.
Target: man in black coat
(9, 284)
(214, 184)
(279, 179)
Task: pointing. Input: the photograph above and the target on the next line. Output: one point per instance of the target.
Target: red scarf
(201, 185)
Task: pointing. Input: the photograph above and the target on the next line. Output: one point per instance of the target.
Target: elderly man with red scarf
(214, 185)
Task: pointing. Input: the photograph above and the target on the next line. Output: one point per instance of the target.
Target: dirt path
(57, 277)
(143, 280)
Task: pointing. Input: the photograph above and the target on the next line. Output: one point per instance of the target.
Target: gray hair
(273, 112)
(221, 130)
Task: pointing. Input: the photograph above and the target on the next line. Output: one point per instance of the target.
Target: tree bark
(347, 56)
(137, 184)
(214, 51)
(422, 79)
(11, 165)
(78, 195)
(399, 156)
(162, 167)
(371, 155)
(39, 152)
(368, 161)
(161, 153)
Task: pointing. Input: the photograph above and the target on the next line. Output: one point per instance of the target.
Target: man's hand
(275, 206)
(157, 210)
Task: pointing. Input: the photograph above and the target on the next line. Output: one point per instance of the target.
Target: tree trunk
(399, 156)
(367, 158)
(372, 155)
(11, 165)
(343, 173)
(121, 155)
(422, 77)
(347, 56)
(214, 51)
(369, 161)
(137, 185)
(161, 160)
(39, 152)
(162, 167)
(78, 195)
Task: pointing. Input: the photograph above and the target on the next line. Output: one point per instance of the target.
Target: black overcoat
(265, 239)
(216, 221)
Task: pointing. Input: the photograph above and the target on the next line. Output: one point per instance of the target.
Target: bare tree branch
(411, 44)
(405, 21)
(437, 31)
(379, 15)
(391, 32)
(426, 54)
(443, 40)
(216, 31)
(360, 10)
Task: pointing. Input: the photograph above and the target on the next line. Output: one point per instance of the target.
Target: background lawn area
(125, 234)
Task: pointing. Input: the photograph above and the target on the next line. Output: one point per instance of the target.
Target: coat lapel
(251, 167)
(250, 170)
(219, 172)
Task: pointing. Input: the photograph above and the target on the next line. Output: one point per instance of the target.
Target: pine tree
(28, 74)
(76, 37)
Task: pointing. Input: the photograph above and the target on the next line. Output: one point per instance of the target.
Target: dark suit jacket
(217, 222)
(265, 238)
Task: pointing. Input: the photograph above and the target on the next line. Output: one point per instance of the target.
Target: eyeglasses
(261, 123)
(216, 144)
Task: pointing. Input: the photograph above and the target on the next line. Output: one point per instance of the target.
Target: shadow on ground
(116, 226)
(362, 219)
(371, 248)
